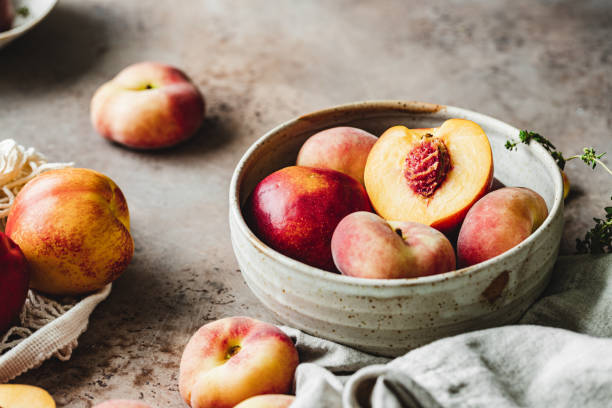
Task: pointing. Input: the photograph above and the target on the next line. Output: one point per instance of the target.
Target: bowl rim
(414, 107)
(20, 29)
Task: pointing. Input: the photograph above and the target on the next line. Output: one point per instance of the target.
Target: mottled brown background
(540, 65)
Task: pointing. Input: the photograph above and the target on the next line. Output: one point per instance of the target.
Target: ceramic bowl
(390, 317)
(37, 11)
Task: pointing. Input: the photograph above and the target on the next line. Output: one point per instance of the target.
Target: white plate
(38, 10)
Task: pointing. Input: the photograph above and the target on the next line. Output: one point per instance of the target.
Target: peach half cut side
(432, 176)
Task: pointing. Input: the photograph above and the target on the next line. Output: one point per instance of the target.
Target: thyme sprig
(589, 156)
(599, 238)
(23, 11)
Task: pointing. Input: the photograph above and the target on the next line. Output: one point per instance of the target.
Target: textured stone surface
(540, 65)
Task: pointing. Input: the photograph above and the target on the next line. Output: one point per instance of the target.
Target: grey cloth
(559, 355)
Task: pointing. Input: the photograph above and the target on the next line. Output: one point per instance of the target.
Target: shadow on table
(214, 133)
(62, 47)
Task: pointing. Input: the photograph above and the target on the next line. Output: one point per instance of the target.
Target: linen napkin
(559, 355)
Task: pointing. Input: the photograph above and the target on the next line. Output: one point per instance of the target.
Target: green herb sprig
(589, 156)
(599, 238)
(23, 11)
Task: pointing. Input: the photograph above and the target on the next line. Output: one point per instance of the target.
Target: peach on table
(24, 396)
(148, 105)
(267, 401)
(232, 359)
(73, 227)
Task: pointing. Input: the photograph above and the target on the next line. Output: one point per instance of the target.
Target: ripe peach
(122, 404)
(344, 149)
(73, 228)
(232, 359)
(295, 210)
(267, 401)
(499, 221)
(14, 282)
(24, 396)
(431, 176)
(148, 106)
(7, 15)
(566, 184)
(366, 246)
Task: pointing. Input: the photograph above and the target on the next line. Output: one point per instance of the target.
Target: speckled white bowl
(38, 10)
(390, 317)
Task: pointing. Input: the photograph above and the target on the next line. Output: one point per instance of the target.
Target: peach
(296, 209)
(566, 184)
(24, 396)
(122, 404)
(7, 15)
(148, 106)
(267, 401)
(431, 176)
(232, 359)
(364, 245)
(14, 282)
(344, 149)
(73, 228)
(499, 221)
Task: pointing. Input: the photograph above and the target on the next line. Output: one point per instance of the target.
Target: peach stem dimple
(232, 351)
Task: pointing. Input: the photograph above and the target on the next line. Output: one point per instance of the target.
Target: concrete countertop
(539, 65)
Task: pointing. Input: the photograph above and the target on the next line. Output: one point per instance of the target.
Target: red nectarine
(14, 281)
(295, 210)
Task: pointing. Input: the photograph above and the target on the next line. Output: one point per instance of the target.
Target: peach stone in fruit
(122, 404)
(24, 396)
(498, 222)
(431, 176)
(73, 228)
(267, 401)
(148, 106)
(295, 210)
(344, 149)
(232, 359)
(364, 245)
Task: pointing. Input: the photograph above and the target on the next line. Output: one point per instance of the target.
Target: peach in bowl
(391, 316)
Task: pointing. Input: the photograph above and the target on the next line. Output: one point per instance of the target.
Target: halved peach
(432, 176)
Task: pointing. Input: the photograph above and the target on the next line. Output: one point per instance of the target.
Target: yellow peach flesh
(469, 178)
